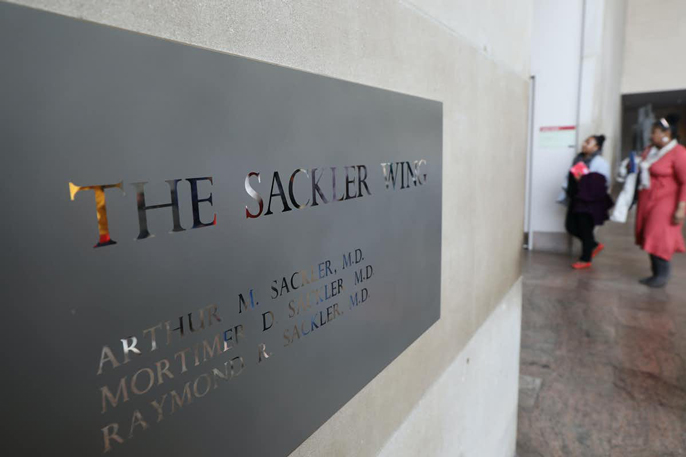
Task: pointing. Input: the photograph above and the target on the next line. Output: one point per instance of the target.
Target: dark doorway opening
(640, 110)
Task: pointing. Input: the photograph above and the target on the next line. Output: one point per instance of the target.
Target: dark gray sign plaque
(201, 254)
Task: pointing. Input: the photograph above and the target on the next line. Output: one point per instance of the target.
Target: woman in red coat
(662, 200)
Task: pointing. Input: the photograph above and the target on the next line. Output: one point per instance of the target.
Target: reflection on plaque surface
(202, 254)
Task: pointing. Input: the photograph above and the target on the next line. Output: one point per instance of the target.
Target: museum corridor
(602, 360)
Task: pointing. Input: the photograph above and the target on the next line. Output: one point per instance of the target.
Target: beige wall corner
(469, 411)
(600, 110)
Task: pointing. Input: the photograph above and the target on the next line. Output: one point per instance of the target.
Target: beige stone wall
(602, 65)
(653, 56)
(472, 56)
(471, 410)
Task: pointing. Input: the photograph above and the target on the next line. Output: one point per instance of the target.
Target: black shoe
(661, 273)
(645, 281)
(657, 282)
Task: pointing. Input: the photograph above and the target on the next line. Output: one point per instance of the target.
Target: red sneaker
(581, 265)
(598, 250)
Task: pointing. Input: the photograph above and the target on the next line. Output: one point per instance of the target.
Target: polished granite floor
(603, 358)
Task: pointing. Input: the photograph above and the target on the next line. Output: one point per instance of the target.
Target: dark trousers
(580, 225)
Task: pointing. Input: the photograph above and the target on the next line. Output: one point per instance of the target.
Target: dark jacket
(589, 195)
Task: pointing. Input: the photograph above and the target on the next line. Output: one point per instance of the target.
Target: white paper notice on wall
(557, 136)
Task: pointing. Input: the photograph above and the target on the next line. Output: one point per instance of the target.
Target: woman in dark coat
(589, 201)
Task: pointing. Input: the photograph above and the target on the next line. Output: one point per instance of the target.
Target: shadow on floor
(603, 369)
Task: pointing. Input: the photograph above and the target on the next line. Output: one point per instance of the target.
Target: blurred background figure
(586, 194)
(662, 200)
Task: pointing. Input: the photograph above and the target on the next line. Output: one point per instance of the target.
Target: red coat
(655, 231)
